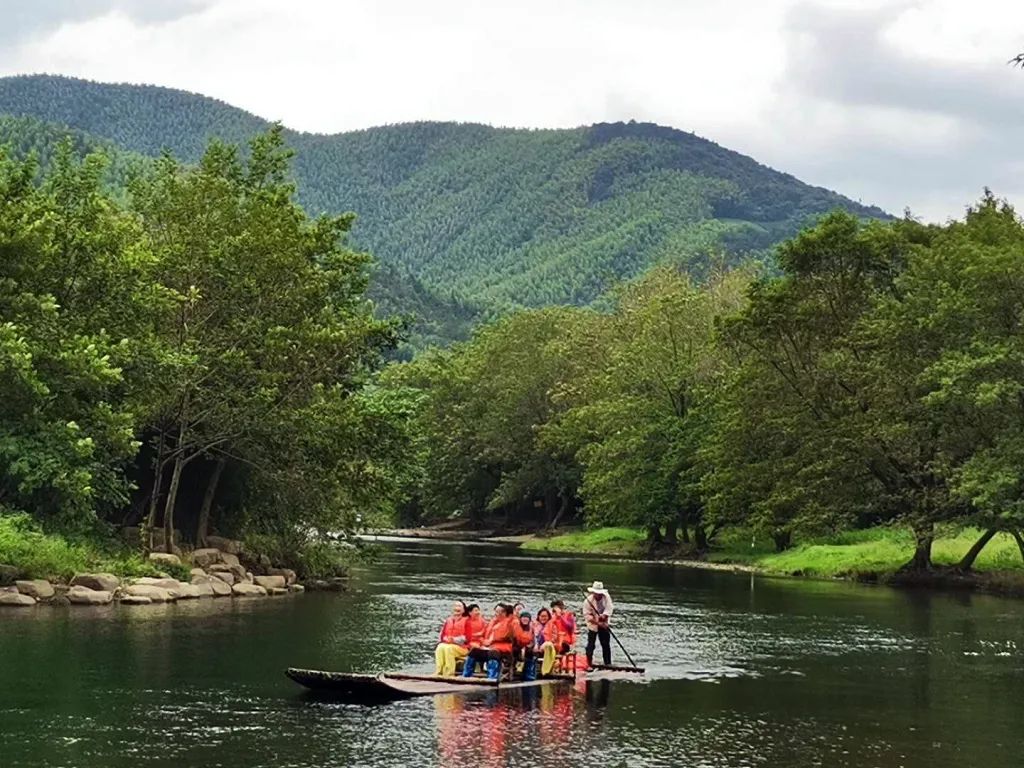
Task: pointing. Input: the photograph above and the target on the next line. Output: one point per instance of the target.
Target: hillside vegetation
(485, 218)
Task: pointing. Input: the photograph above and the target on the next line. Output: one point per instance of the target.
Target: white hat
(598, 588)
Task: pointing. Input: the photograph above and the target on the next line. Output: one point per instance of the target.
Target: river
(741, 672)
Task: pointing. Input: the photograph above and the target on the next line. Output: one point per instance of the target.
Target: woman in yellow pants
(451, 643)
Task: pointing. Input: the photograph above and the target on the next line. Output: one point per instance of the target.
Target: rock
(40, 589)
(9, 574)
(277, 591)
(164, 559)
(15, 599)
(171, 585)
(151, 592)
(226, 576)
(231, 546)
(288, 574)
(206, 557)
(297, 588)
(136, 599)
(248, 590)
(83, 595)
(229, 559)
(197, 572)
(188, 591)
(248, 577)
(270, 582)
(203, 590)
(100, 582)
(220, 588)
(60, 600)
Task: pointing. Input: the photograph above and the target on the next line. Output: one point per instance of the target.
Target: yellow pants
(445, 656)
(548, 655)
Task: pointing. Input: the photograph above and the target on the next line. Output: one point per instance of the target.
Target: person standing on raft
(597, 612)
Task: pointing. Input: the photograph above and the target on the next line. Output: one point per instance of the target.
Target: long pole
(614, 637)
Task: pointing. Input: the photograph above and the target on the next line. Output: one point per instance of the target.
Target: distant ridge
(493, 216)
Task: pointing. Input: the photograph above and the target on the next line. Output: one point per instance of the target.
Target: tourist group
(515, 639)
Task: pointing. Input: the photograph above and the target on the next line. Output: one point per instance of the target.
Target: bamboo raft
(394, 686)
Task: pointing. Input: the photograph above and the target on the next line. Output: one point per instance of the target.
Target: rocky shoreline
(214, 572)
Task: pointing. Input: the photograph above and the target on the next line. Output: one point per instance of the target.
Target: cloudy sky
(896, 103)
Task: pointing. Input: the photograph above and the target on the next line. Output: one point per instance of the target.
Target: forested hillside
(494, 217)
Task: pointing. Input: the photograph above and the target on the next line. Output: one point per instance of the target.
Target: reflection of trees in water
(536, 722)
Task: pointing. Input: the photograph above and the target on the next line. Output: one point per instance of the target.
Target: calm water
(742, 673)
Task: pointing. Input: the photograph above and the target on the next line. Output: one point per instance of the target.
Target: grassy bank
(872, 553)
(36, 554)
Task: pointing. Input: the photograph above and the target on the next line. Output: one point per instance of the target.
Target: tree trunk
(1020, 542)
(684, 534)
(204, 512)
(700, 538)
(154, 499)
(172, 495)
(561, 509)
(653, 535)
(922, 559)
(671, 532)
(967, 562)
(783, 540)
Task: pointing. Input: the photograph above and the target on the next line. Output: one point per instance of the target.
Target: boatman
(597, 612)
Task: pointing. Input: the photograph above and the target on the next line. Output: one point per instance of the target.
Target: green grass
(874, 551)
(604, 541)
(53, 556)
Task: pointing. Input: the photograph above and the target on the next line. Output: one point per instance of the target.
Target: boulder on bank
(40, 589)
(248, 590)
(231, 546)
(16, 599)
(188, 591)
(98, 582)
(270, 582)
(196, 572)
(154, 593)
(289, 575)
(229, 559)
(298, 588)
(82, 595)
(237, 570)
(9, 574)
(226, 576)
(206, 557)
(277, 591)
(211, 586)
(136, 600)
(164, 559)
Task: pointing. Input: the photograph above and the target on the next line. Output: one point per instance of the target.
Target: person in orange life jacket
(565, 625)
(475, 626)
(523, 643)
(451, 642)
(597, 612)
(497, 641)
(517, 609)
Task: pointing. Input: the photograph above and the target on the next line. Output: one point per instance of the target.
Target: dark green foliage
(482, 217)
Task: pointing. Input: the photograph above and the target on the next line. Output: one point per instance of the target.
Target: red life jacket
(452, 628)
(523, 637)
(566, 624)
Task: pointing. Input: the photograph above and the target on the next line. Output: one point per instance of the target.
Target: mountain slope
(504, 217)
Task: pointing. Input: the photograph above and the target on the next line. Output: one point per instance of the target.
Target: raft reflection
(480, 729)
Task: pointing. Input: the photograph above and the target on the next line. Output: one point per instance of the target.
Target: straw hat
(597, 588)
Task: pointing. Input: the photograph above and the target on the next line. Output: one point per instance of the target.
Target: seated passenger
(497, 641)
(523, 642)
(566, 624)
(452, 642)
(545, 636)
(475, 626)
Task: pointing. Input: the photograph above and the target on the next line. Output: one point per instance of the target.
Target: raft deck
(394, 686)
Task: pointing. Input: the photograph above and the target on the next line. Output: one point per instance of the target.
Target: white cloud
(898, 103)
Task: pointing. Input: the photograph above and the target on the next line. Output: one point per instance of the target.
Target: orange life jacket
(475, 626)
(549, 629)
(452, 628)
(522, 636)
(498, 636)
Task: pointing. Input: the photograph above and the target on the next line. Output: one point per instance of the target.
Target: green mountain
(467, 218)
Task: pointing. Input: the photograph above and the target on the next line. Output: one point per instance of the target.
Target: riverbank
(40, 568)
(872, 555)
